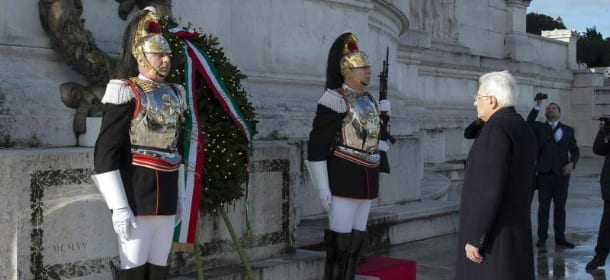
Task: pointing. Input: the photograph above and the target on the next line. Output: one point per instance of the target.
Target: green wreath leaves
(227, 150)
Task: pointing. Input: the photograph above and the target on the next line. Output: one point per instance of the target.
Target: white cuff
(318, 172)
(111, 187)
(537, 108)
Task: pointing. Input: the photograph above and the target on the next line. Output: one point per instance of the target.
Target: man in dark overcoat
(602, 147)
(494, 239)
(558, 154)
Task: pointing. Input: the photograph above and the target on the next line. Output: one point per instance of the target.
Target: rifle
(383, 77)
(383, 95)
(384, 166)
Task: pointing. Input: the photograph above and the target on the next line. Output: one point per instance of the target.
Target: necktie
(556, 133)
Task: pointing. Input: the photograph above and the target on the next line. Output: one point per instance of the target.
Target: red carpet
(384, 268)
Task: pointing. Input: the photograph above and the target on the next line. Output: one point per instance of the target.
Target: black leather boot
(114, 270)
(597, 261)
(156, 272)
(358, 238)
(337, 254)
(329, 241)
(136, 273)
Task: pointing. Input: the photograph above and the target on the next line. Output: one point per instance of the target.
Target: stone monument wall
(438, 49)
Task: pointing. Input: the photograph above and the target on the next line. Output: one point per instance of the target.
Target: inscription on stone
(74, 232)
(76, 223)
(69, 247)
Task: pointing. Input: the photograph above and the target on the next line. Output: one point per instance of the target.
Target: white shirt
(558, 133)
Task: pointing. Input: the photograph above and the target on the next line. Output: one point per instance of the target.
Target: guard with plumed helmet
(343, 154)
(137, 155)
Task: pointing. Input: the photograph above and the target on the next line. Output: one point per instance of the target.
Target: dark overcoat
(602, 147)
(495, 204)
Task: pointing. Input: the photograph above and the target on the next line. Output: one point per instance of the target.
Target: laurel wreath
(226, 150)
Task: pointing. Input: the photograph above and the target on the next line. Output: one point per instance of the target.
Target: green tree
(536, 23)
(592, 49)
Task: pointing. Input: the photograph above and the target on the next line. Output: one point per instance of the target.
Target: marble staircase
(435, 214)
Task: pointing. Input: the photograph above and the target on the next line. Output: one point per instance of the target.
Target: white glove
(122, 221)
(385, 106)
(325, 198)
(180, 209)
(319, 176)
(383, 146)
(180, 206)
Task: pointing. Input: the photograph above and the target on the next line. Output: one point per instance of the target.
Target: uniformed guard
(137, 155)
(343, 154)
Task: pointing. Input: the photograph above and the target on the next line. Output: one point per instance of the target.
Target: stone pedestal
(517, 44)
(59, 226)
(54, 222)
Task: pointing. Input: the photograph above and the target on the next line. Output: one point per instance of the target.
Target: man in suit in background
(557, 157)
(602, 147)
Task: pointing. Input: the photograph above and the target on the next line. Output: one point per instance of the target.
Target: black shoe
(596, 262)
(564, 243)
(541, 243)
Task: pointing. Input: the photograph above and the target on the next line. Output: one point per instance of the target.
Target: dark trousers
(552, 188)
(603, 236)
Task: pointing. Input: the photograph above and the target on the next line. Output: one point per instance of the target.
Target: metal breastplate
(155, 126)
(359, 130)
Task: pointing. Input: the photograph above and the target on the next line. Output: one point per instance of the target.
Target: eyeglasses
(476, 97)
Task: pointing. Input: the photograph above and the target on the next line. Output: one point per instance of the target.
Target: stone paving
(436, 256)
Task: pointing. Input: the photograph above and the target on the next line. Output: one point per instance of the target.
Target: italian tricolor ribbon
(197, 63)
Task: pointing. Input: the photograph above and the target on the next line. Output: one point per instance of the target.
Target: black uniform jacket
(553, 156)
(346, 179)
(602, 147)
(495, 203)
(149, 192)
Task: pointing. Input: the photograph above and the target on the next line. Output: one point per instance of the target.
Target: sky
(576, 14)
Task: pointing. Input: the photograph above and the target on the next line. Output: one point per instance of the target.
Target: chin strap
(149, 65)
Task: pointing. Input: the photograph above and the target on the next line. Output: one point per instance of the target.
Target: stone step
(388, 226)
(301, 264)
(392, 224)
(453, 170)
(434, 186)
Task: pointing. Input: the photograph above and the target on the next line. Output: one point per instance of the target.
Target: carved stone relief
(62, 21)
(436, 17)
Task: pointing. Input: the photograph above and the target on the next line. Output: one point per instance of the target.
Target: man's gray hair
(501, 85)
